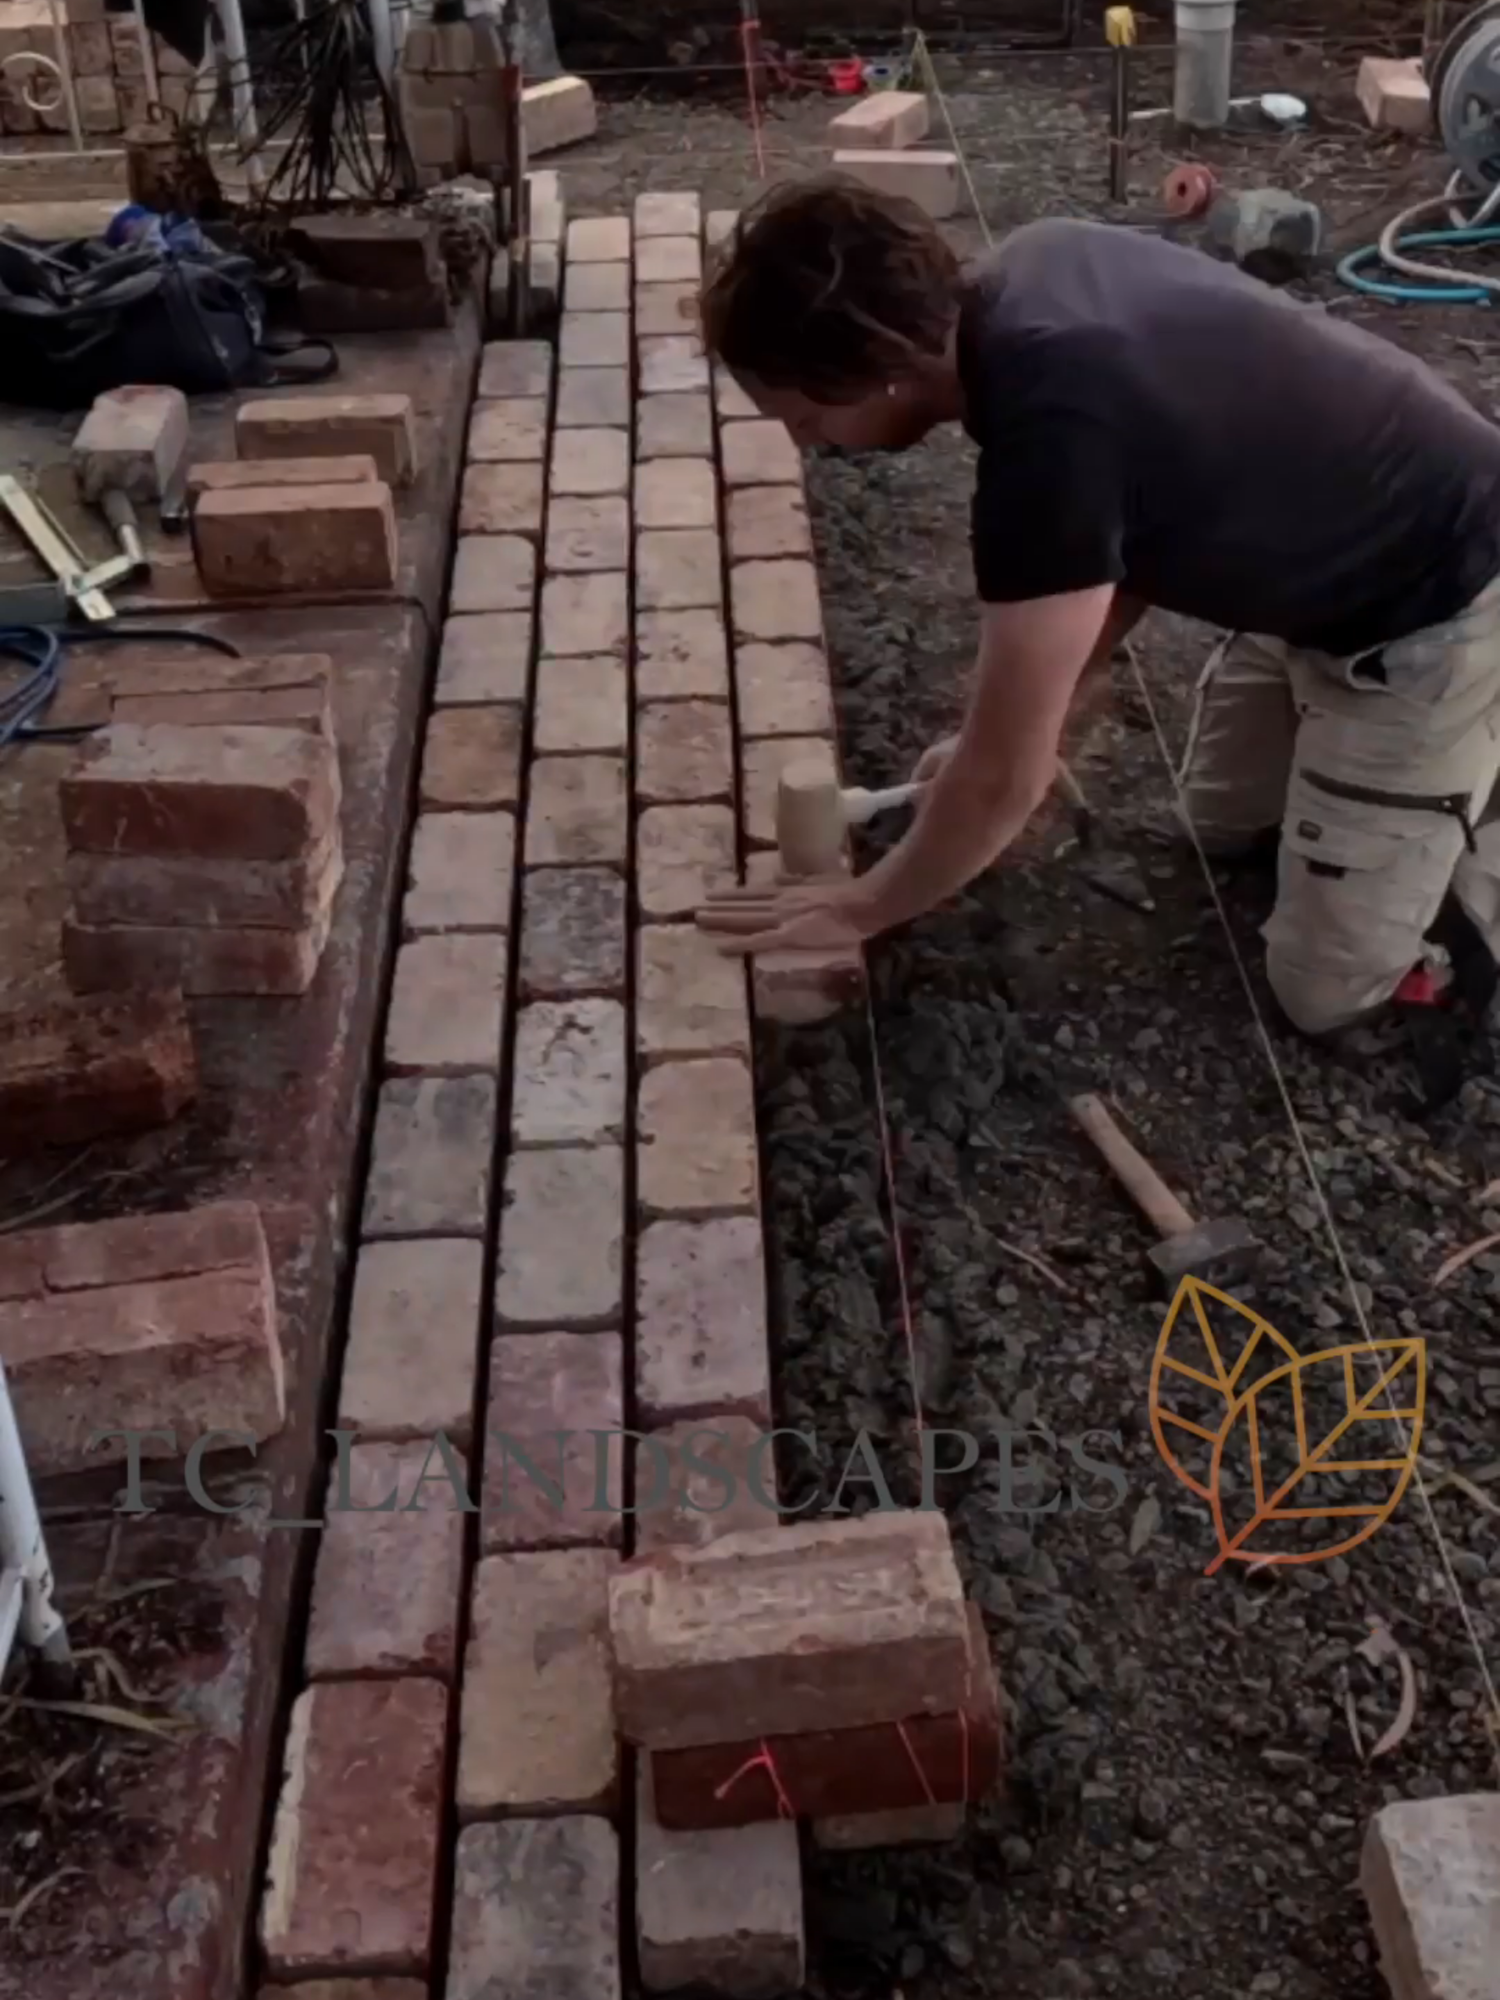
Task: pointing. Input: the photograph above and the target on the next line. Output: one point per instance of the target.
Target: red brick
(430, 1163)
(134, 438)
(681, 654)
(768, 521)
(690, 996)
(582, 705)
(590, 397)
(578, 812)
(676, 493)
(269, 540)
(413, 1341)
(199, 961)
(140, 1249)
(776, 600)
(288, 707)
(561, 1239)
(783, 690)
(597, 288)
(699, 1480)
(447, 1003)
(173, 890)
(78, 1070)
(259, 794)
(588, 534)
(352, 1989)
(674, 426)
(762, 765)
(331, 426)
(352, 1871)
(595, 340)
(515, 368)
(660, 213)
(886, 1767)
(486, 656)
(284, 689)
(191, 1355)
(537, 1732)
(572, 933)
(731, 401)
(672, 361)
(501, 500)
(585, 614)
(893, 118)
(768, 1633)
(232, 475)
(537, 1893)
(556, 1405)
(512, 431)
(678, 569)
(701, 1336)
(569, 1073)
(472, 758)
(759, 453)
(590, 462)
(717, 1912)
(462, 865)
(695, 1139)
(663, 260)
(389, 1580)
(685, 752)
(684, 853)
(599, 239)
(493, 573)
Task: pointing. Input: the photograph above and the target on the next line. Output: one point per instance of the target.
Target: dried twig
(1039, 1265)
(1459, 1258)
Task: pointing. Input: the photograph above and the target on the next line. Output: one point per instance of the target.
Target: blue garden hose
(1405, 291)
(39, 648)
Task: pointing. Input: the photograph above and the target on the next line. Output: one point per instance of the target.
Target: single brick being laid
(661, 260)
(672, 362)
(430, 1161)
(683, 854)
(1430, 1871)
(562, 1251)
(460, 873)
(701, 1326)
(381, 427)
(691, 998)
(536, 1911)
(413, 1340)
(695, 1139)
(352, 1869)
(389, 1577)
(666, 308)
(536, 1731)
(447, 1004)
(890, 118)
(554, 1442)
(931, 180)
(569, 1073)
(767, 1634)
(162, 1322)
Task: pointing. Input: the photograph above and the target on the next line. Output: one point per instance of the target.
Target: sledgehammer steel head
(1218, 1252)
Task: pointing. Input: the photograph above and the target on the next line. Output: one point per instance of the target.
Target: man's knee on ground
(1318, 1002)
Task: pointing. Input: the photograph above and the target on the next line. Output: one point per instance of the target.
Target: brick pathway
(561, 1228)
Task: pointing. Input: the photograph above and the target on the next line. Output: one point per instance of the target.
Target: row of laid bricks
(386, 1597)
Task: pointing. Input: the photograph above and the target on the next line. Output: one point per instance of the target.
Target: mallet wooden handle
(1136, 1175)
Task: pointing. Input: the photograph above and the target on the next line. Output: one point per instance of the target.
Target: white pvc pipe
(1205, 63)
(65, 72)
(148, 56)
(26, 1607)
(241, 89)
(383, 37)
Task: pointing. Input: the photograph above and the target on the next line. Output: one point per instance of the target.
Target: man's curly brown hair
(830, 288)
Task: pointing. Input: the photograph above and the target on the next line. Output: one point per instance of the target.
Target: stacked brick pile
(561, 1229)
(203, 828)
(878, 141)
(108, 64)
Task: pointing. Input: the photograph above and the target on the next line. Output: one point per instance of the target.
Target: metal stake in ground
(1217, 1251)
(1119, 30)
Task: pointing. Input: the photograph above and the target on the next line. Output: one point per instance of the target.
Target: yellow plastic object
(1119, 27)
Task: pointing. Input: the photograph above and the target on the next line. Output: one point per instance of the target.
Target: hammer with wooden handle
(1211, 1250)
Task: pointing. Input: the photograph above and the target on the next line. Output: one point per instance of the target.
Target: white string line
(1466, 1616)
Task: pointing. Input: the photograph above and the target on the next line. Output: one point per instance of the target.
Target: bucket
(1205, 61)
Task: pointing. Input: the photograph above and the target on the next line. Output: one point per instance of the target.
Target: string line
(764, 1759)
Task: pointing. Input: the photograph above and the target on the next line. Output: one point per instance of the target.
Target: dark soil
(1189, 1781)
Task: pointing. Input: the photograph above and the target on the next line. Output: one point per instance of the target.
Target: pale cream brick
(775, 601)
(684, 854)
(485, 657)
(674, 426)
(928, 179)
(680, 654)
(569, 1073)
(447, 1003)
(1430, 1871)
(1394, 96)
(730, 399)
(691, 998)
(510, 369)
(590, 534)
(767, 521)
(672, 362)
(890, 118)
(680, 569)
(701, 1334)
(559, 112)
(413, 1341)
(760, 453)
(599, 239)
(499, 499)
(591, 398)
(665, 309)
(685, 752)
(695, 1139)
(676, 493)
(582, 705)
(659, 213)
(783, 690)
(595, 339)
(562, 1240)
(597, 288)
(461, 872)
(579, 812)
(510, 431)
(585, 614)
(661, 260)
(590, 462)
(493, 573)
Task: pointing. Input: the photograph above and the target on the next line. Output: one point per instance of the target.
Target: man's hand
(932, 760)
(796, 916)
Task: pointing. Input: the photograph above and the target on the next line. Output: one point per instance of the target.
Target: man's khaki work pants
(1380, 790)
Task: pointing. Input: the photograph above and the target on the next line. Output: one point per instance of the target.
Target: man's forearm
(963, 825)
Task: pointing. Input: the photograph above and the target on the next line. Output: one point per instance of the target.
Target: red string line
(761, 1761)
(764, 1760)
(750, 42)
(888, 1168)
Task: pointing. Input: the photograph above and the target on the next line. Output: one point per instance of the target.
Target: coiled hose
(1416, 281)
(39, 649)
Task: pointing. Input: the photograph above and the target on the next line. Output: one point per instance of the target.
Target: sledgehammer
(1216, 1251)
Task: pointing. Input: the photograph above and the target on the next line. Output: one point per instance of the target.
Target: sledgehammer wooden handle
(1137, 1176)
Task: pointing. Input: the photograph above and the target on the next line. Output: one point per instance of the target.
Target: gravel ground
(1190, 1771)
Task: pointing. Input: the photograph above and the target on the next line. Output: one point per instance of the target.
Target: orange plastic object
(1189, 189)
(847, 76)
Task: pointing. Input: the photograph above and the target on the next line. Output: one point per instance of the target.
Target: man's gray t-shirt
(1152, 418)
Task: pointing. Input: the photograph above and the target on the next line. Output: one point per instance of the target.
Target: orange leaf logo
(1268, 1436)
